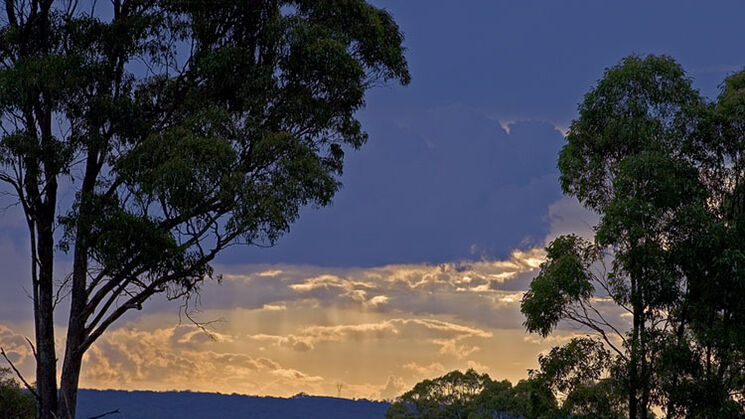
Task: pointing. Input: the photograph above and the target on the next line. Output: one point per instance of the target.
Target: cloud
(568, 216)
(436, 185)
(393, 388)
(171, 358)
(478, 367)
(15, 346)
(296, 375)
(481, 291)
(437, 332)
(451, 347)
(292, 328)
(430, 370)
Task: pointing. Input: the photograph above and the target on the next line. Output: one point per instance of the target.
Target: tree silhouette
(664, 169)
(182, 127)
(475, 396)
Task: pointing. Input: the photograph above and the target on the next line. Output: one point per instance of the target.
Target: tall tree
(662, 167)
(183, 127)
(703, 368)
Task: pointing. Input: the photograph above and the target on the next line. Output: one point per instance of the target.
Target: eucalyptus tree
(180, 127)
(703, 368)
(662, 167)
(471, 395)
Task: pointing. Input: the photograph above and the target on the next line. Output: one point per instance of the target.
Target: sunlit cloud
(372, 331)
(15, 345)
(430, 370)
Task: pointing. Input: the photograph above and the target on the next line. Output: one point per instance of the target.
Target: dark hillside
(185, 405)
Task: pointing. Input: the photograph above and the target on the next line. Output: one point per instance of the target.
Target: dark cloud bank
(435, 186)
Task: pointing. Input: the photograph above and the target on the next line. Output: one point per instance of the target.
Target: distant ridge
(187, 405)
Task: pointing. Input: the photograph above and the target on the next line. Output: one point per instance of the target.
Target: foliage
(14, 402)
(581, 361)
(177, 128)
(602, 399)
(474, 396)
(664, 169)
(449, 396)
(577, 372)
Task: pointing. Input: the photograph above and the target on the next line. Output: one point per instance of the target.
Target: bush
(15, 403)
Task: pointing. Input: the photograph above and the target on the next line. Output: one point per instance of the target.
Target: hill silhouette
(184, 405)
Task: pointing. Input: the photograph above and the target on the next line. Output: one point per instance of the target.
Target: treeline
(471, 395)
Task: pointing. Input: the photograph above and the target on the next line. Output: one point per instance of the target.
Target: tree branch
(10, 10)
(18, 373)
(154, 287)
(576, 317)
(33, 348)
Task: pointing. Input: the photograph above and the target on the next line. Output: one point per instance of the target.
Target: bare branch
(203, 326)
(62, 291)
(33, 348)
(578, 318)
(604, 321)
(18, 373)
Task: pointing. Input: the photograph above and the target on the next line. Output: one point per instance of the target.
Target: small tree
(14, 402)
(181, 127)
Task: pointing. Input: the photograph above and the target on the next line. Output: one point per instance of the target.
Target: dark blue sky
(441, 179)
(461, 164)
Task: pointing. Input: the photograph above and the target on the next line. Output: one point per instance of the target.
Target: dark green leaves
(563, 280)
(642, 104)
(582, 360)
(475, 396)
(664, 169)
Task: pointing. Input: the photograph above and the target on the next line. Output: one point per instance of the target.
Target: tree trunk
(68, 393)
(44, 213)
(75, 333)
(633, 359)
(644, 406)
(46, 364)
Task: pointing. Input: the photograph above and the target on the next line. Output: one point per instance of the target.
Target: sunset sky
(419, 265)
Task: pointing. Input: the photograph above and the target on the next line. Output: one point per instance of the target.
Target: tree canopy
(471, 395)
(180, 128)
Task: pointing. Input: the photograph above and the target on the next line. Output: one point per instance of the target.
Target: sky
(419, 264)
